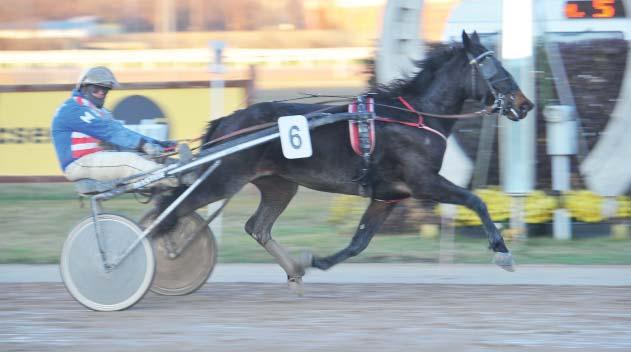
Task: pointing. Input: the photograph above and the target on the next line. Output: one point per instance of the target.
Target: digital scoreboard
(594, 9)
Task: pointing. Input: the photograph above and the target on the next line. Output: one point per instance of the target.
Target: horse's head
(490, 81)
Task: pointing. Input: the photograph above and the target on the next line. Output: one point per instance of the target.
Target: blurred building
(163, 15)
(133, 16)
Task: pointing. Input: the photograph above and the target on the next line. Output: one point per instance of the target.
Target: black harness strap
(365, 106)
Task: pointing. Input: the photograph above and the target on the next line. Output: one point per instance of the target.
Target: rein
(408, 108)
(257, 127)
(483, 112)
(419, 124)
(260, 126)
(421, 120)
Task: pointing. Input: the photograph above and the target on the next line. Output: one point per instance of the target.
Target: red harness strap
(354, 133)
(421, 120)
(420, 124)
(353, 128)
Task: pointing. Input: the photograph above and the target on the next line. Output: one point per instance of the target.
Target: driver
(84, 134)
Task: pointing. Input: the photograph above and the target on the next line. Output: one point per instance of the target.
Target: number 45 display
(294, 136)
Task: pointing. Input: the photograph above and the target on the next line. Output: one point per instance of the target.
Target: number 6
(294, 136)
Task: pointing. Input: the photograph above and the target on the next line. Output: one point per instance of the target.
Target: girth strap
(353, 130)
(362, 136)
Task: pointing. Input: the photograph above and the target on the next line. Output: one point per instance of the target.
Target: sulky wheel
(184, 260)
(86, 277)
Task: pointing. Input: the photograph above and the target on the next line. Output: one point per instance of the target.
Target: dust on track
(328, 317)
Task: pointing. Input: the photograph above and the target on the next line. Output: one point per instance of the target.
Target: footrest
(89, 186)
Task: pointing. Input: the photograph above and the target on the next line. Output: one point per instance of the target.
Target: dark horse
(405, 162)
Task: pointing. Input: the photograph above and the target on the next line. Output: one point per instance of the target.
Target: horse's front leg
(442, 190)
(373, 217)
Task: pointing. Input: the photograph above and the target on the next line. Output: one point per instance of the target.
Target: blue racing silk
(79, 127)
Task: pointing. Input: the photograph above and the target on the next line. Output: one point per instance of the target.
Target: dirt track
(329, 317)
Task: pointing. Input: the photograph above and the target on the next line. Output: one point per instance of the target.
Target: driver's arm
(83, 120)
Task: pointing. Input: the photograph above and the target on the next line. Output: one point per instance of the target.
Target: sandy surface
(225, 316)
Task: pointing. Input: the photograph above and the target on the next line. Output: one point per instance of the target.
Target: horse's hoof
(504, 261)
(295, 285)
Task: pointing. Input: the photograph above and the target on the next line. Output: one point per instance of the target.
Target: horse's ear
(466, 42)
(475, 38)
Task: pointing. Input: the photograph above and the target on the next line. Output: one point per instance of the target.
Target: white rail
(181, 57)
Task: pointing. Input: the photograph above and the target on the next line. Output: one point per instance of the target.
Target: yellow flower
(584, 205)
(539, 207)
(624, 207)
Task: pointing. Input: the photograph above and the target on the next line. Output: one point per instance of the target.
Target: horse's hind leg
(276, 193)
(373, 217)
(442, 190)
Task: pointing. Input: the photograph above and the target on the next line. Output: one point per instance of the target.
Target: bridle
(484, 65)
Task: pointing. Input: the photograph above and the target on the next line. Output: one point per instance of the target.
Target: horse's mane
(419, 81)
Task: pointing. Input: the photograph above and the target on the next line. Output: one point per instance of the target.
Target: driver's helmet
(100, 76)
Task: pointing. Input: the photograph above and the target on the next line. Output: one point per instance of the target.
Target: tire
(190, 270)
(82, 269)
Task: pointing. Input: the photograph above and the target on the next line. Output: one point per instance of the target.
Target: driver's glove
(151, 149)
(168, 146)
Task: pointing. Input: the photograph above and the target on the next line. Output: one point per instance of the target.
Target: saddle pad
(353, 126)
(353, 131)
